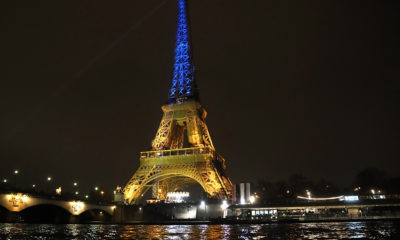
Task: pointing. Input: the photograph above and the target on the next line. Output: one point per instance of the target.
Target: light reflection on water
(336, 230)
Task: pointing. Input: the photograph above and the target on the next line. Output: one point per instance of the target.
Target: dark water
(337, 230)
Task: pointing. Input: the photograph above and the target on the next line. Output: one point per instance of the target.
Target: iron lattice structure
(170, 166)
(183, 84)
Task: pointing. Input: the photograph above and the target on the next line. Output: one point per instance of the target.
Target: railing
(177, 152)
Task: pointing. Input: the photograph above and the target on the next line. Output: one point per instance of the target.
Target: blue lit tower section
(183, 84)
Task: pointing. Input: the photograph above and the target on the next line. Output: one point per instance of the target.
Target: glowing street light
(86, 196)
(204, 206)
(75, 184)
(252, 199)
(48, 183)
(102, 193)
(224, 205)
(15, 177)
(4, 180)
(96, 188)
(76, 193)
(373, 191)
(308, 194)
(33, 185)
(58, 191)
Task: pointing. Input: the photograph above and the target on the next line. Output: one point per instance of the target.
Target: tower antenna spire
(183, 84)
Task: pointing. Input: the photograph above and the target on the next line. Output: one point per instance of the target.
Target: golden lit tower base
(170, 167)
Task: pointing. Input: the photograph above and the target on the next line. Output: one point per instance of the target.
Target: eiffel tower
(170, 166)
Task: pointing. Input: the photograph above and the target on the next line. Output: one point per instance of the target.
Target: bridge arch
(95, 214)
(46, 213)
(3, 213)
(17, 202)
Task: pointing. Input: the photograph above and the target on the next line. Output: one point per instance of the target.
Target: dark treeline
(365, 182)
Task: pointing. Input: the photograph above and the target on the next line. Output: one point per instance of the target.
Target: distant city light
(4, 180)
(373, 191)
(351, 198)
(203, 204)
(96, 188)
(177, 197)
(75, 184)
(77, 206)
(76, 193)
(252, 199)
(322, 199)
(224, 205)
(33, 185)
(308, 194)
(16, 172)
(86, 196)
(102, 192)
(49, 179)
(58, 191)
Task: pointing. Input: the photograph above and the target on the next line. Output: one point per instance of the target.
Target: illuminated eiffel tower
(170, 166)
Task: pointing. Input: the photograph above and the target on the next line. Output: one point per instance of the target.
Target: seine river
(335, 230)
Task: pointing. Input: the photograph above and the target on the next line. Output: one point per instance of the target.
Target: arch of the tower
(162, 184)
(202, 165)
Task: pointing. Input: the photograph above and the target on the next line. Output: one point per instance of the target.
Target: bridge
(16, 202)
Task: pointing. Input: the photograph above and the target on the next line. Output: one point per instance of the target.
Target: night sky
(307, 87)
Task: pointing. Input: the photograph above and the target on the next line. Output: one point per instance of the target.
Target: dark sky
(290, 86)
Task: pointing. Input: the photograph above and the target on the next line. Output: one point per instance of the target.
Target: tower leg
(163, 132)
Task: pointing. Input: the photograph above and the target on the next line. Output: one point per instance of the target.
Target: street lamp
(48, 183)
(75, 184)
(15, 178)
(96, 188)
(308, 194)
(224, 206)
(204, 206)
(252, 199)
(4, 180)
(373, 191)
